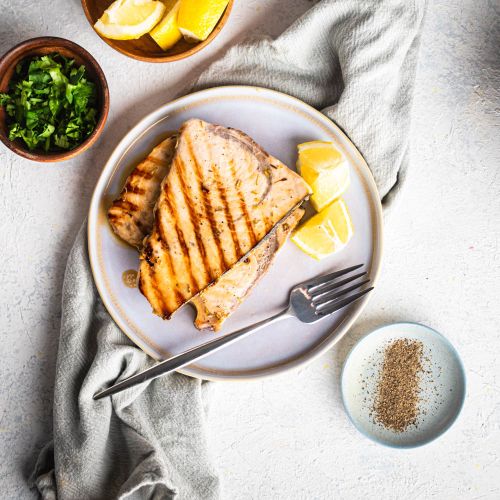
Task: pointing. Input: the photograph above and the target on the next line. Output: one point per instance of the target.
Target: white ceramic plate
(278, 123)
(442, 385)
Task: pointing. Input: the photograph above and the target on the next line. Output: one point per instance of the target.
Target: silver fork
(309, 302)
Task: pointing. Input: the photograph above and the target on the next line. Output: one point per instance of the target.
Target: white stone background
(288, 437)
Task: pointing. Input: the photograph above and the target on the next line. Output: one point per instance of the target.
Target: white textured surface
(288, 437)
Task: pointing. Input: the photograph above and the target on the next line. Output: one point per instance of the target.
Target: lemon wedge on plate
(325, 233)
(129, 19)
(198, 18)
(166, 33)
(324, 168)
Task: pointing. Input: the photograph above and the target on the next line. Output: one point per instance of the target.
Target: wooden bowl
(42, 46)
(145, 48)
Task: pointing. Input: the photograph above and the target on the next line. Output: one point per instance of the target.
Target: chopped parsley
(51, 104)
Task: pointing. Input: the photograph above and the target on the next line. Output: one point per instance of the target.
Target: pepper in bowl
(53, 99)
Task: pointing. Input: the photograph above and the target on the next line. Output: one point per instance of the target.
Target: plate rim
(463, 374)
(300, 360)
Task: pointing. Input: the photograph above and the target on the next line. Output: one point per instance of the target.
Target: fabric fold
(147, 442)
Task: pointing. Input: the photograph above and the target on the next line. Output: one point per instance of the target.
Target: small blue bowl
(442, 385)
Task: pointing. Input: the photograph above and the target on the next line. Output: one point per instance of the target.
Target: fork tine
(332, 285)
(322, 299)
(335, 306)
(320, 280)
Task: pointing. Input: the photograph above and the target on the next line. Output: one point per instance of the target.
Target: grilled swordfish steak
(131, 214)
(222, 195)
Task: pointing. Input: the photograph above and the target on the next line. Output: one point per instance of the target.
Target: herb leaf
(50, 104)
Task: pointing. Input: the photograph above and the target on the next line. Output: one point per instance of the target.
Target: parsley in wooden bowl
(54, 99)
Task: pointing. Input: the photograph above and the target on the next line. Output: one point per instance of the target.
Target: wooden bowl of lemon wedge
(157, 31)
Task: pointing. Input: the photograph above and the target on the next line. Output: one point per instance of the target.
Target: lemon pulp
(129, 19)
(198, 18)
(324, 168)
(166, 33)
(326, 232)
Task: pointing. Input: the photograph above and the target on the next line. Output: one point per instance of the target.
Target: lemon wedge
(324, 168)
(166, 33)
(129, 19)
(325, 233)
(198, 18)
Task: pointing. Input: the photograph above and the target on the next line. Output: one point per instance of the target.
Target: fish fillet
(222, 196)
(131, 214)
(215, 303)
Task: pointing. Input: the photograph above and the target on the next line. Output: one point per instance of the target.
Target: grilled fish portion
(216, 302)
(131, 214)
(222, 196)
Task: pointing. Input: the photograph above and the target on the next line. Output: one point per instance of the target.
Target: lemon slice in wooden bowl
(198, 18)
(166, 33)
(129, 19)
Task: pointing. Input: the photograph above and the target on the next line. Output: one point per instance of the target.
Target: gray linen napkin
(147, 442)
(355, 59)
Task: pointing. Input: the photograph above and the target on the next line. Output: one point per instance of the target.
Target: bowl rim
(438, 434)
(17, 52)
(167, 58)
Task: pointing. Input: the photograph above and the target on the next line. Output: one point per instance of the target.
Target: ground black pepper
(397, 397)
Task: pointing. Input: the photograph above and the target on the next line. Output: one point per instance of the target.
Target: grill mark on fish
(134, 189)
(133, 218)
(180, 236)
(148, 257)
(144, 174)
(126, 205)
(168, 262)
(209, 210)
(243, 207)
(224, 208)
(227, 212)
(194, 219)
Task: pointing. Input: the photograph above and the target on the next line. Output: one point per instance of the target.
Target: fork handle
(193, 354)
